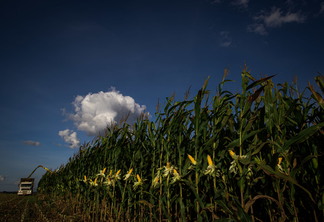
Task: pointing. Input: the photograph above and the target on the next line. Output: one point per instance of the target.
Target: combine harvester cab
(26, 186)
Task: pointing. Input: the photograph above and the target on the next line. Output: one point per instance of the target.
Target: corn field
(255, 155)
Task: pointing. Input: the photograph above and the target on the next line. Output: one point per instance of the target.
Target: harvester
(26, 185)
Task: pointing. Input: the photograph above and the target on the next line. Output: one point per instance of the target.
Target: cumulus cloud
(31, 143)
(70, 137)
(225, 39)
(95, 112)
(2, 178)
(275, 18)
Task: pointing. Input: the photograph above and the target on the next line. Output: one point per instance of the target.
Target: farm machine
(26, 185)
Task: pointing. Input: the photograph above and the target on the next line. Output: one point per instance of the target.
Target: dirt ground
(14, 208)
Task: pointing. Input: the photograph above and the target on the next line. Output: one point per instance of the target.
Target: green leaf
(259, 147)
(236, 142)
(244, 217)
(201, 204)
(320, 82)
(317, 96)
(258, 82)
(268, 170)
(302, 136)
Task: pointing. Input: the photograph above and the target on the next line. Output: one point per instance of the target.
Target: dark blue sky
(51, 52)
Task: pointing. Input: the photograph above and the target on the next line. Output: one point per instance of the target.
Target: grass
(249, 156)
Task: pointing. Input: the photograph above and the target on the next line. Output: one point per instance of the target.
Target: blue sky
(67, 67)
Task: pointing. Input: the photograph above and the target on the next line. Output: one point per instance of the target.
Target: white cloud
(225, 39)
(95, 112)
(275, 18)
(70, 137)
(243, 3)
(2, 178)
(257, 28)
(31, 143)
